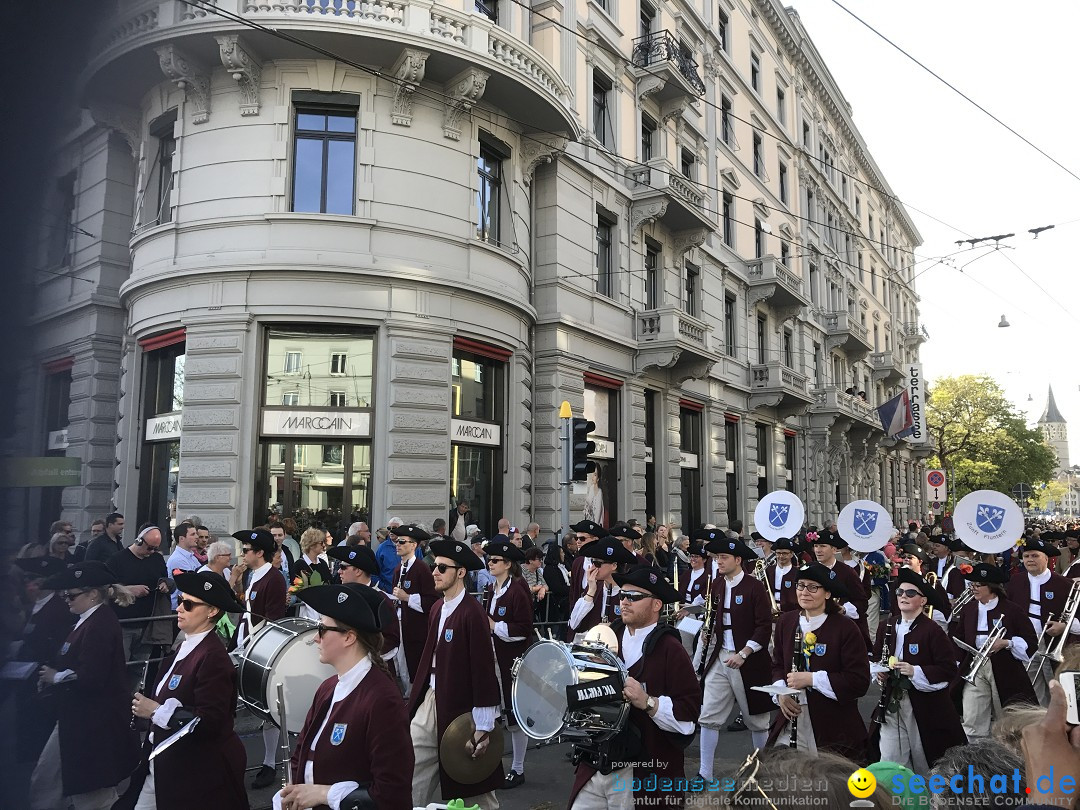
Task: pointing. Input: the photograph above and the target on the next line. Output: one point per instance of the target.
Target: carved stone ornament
(686, 241)
(712, 65)
(673, 111)
(245, 68)
(649, 84)
(537, 149)
(409, 71)
(124, 120)
(646, 213)
(190, 76)
(464, 91)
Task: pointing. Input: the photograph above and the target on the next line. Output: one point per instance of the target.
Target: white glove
(851, 611)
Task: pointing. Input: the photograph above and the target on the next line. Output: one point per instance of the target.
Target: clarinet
(878, 718)
(796, 661)
(283, 735)
(134, 724)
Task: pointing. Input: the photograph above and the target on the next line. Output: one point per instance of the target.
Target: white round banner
(987, 521)
(865, 525)
(779, 514)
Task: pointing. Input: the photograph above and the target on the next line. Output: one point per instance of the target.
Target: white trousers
(611, 792)
(424, 731)
(47, 783)
(900, 741)
(982, 704)
(148, 794)
(873, 611)
(723, 689)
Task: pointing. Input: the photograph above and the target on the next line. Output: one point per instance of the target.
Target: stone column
(667, 456)
(634, 449)
(518, 439)
(557, 378)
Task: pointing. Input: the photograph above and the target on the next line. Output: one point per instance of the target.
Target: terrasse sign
(316, 424)
(917, 397)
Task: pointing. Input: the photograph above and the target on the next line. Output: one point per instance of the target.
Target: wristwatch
(742, 655)
(650, 704)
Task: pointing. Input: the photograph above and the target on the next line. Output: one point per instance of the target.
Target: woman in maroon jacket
(197, 681)
(509, 606)
(92, 747)
(354, 751)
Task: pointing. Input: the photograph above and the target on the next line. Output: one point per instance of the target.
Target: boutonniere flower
(965, 568)
(812, 536)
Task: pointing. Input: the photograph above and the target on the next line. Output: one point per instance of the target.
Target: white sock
(710, 738)
(270, 746)
(759, 738)
(521, 743)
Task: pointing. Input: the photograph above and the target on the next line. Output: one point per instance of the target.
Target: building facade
(366, 276)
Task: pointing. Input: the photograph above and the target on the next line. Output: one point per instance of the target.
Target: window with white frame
(293, 361)
(755, 72)
(338, 362)
(603, 127)
(605, 270)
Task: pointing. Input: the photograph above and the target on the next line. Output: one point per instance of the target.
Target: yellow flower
(893, 661)
(810, 638)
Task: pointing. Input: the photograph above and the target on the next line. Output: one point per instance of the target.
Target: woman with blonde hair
(311, 567)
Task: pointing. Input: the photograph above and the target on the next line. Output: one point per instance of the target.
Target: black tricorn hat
(1039, 545)
(259, 539)
(985, 572)
(209, 587)
(506, 550)
(40, 566)
(609, 550)
(731, 545)
(909, 577)
(411, 531)
(589, 527)
(92, 574)
(648, 578)
(816, 572)
(343, 603)
(461, 553)
(360, 557)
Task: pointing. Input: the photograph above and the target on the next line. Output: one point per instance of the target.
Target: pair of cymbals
(459, 764)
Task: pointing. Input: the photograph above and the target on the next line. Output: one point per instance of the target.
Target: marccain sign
(316, 424)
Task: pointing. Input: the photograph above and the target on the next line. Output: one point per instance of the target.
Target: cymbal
(458, 763)
(603, 634)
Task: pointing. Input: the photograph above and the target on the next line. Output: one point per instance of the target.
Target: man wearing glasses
(142, 569)
(825, 548)
(414, 590)
(456, 676)
(598, 600)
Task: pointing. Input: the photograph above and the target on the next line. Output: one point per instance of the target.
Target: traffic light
(581, 448)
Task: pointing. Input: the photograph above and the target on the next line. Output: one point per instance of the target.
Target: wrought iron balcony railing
(662, 46)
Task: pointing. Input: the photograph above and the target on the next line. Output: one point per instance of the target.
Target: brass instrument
(1054, 647)
(931, 580)
(960, 601)
(706, 628)
(761, 573)
(986, 650)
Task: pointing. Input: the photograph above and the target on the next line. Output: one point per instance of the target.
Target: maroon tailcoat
(786, 599)
(952, 581)
(1010, 675)
(599, 612)
(515, 608)
(860, 598)
(390, 630)
(464, 679)
(97, 747)
(751, 620)
(690, 591)
(374, 748)
(1052, 597)
(926, 645)
(46, 630)
(42, 636)
(270, 598)
(837, 724)
(663, 669)
(414, 624)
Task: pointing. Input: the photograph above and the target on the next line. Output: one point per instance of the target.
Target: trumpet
(986, 650)
(1054, 647)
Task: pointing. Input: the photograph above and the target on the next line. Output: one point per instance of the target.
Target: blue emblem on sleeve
(406, 584)
(174, 682)
(338, 734)
(1049, 594)
(618, 609)
(502, 611)
(787, 583)
(913, 649)
(448, 635)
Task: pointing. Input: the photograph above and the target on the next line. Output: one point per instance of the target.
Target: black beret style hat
(461, 553)
(360, 557)
(343, 603)
(985, 572)
(609, 550)
(816, 572)
(909, 577)
(696, 549)
(411, 531)
(41, 566)
(648, 578)
(916, 551)
(92, 574)
(825, 537)
(733, 546)
(784, 544)
(209, 587)
(506, 550)
(624, 531)
(1038, 545)
(589, 527)
(259, 539)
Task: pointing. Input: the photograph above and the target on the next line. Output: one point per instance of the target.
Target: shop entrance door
(313, 482)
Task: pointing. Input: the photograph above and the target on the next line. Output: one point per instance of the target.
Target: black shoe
(513, 779)
(738, 725)
(264, 778)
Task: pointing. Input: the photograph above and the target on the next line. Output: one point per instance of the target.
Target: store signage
(917, 397)
(648, 455)
(58, 439)
(49, 471)
(316, 424)
(164, 428)
(605, 448)
(688, 461)
(466, 431)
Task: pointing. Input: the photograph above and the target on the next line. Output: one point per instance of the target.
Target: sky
(948, 161)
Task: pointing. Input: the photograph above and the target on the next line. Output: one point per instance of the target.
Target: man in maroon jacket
(414, 591)
(456, 676)
(825, 548)
(585, 532)
(781, 574)
(664, 702)
(733, 650)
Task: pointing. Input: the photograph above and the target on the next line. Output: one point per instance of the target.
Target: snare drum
(282, 652)
(573, 690)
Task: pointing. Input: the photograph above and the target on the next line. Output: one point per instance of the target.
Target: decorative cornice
(673, 111)
(190, 76)
(124, 120)
(537, 149)
(246, 70)
(408, 69)
(464, 91)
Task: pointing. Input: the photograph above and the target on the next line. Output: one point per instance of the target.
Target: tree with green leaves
(982, 439)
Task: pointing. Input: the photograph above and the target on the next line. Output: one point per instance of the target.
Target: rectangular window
(790, 461)
(338, 399)
(324, 160)
(762, 434)
(870, 226)
(686, 162)
(722, 25)
(806, 134)
(762, 329)
(690, 436)
(729, 219)
(781, 106)
(817, 365)
(605, 282)
(650, 442)
(813, 283)
(759, 156)
(489, 168)
(652, 275)
(648, 19)
(648, 137)
(729, 324)
(61, 230)
(329, 359)
(155, 207)
(755, 72)
(782, 176)
(731, 448)
(785, 254)
(858, 206)
(759, 239)
(293, 361)
(789, 349)
(727, 122)
(873, 279)
(290, 398)
(489, 8)
(692, 290)
(338, 361)
(603, 128)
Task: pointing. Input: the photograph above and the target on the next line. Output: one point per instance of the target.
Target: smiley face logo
(861, 783)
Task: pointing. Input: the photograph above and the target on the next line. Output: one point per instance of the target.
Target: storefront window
(57, 403)
(309, 368)
(690, 463)
(478, 384)
(162, 403)
(601, 485)
(314, 482)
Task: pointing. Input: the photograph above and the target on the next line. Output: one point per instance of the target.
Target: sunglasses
(809, 587)
(246, 550)
(191, 604)
(908, 592)
(404, 542)
(323, 629)
(602, 562)
(635, 596)
(442, 568)
(72, 595)
(496, 560)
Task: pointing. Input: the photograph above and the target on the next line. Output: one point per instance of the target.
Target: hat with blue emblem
(91, 574)
(784, 544)
(347, 604)
(908, 577)
(589, 527)
(209, 587)
(1049, 549)
(827, 579)
(360, 557)
(259, 540)
(621, 530)
(828, 538)
(609, 550)
(721, 544)
(460, 553)
(648, 578)
(411, 531)
(40, 566)
(504, 549)
(987, 574)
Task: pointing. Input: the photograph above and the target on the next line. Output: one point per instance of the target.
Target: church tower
(1055, 431)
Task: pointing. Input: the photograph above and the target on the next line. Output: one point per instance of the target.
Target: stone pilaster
(518, 439)
(556, 378)
(715, 508)
(667, 457)
(634, 449)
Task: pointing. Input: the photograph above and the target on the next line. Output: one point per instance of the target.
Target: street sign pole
(565, 416)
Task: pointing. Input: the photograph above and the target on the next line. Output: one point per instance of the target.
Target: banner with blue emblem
(865, 525)
(988, 521)
(779, 514)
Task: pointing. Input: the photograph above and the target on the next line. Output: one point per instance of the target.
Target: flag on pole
(895, 415)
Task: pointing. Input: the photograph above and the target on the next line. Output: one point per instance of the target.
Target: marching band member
(585, 532)
(598, 600)
(732, 653)
(456, 676)
(198, 680)
(695, 586)
(1044, 594)
(509, 607)
(825, 547)
(1004, 679)
(357, 565)
(920, 720)
(829, 667)
(946, 567)
(664, 698)
(919, 561)
(628, 535)
(354, 751)
(414, 590)
(782, 573)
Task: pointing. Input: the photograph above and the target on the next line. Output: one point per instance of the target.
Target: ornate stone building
(324, 255)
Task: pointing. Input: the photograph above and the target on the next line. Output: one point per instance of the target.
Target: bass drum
(282, 652)
(572, 690)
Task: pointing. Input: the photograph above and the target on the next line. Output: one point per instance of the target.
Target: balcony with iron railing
(668, 337)
(887, 367)
(775, 385)
(914, 333)
(844, 332)
(665, 195)
(664, 68)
